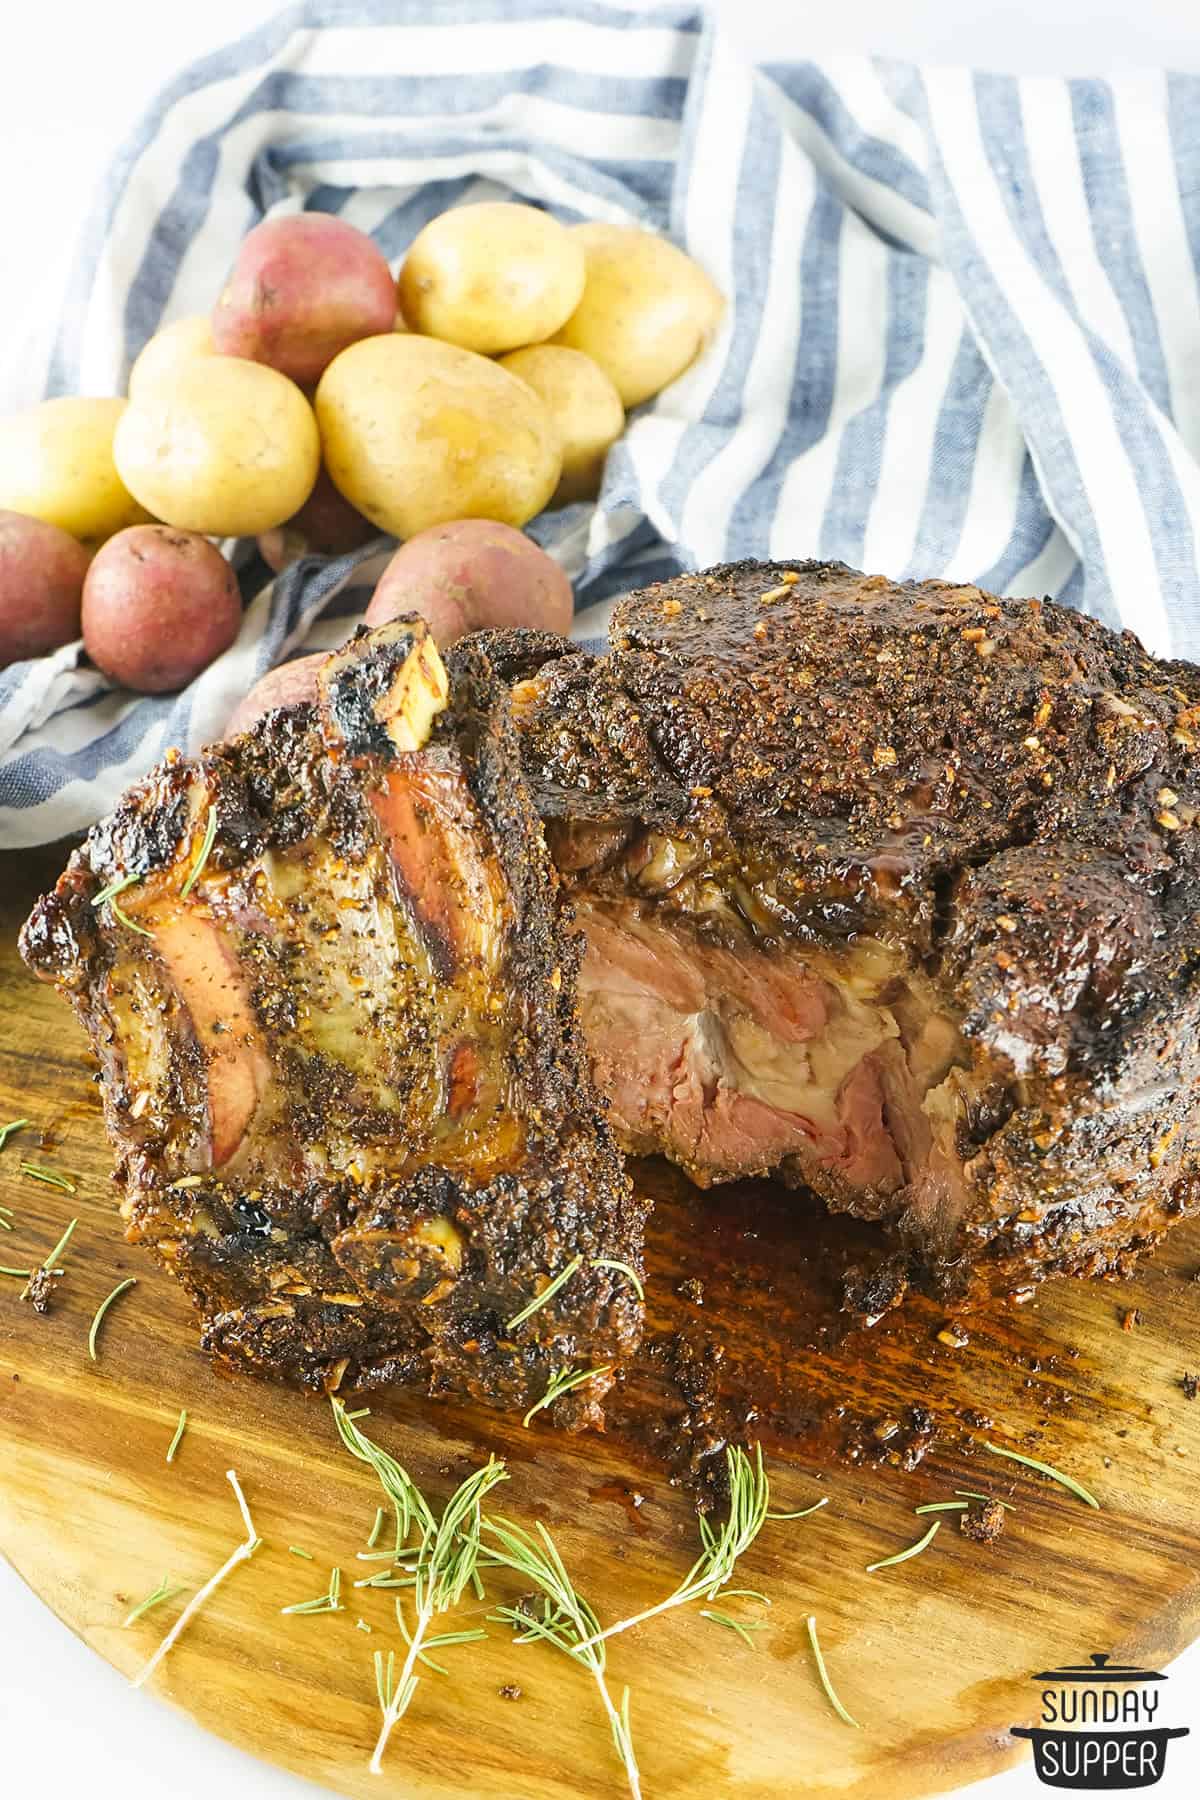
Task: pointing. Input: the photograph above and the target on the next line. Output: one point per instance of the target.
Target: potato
(326, 525)
(647, 309)
(222, 446)
(291, 684)
(584, 405)
(41, 582)
(470, 575)
(56, 464)
(158, 606)
(302, 289)
(416, 432)
(174, 344)
(491, 277)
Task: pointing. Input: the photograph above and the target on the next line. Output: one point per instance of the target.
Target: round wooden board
(933, 1657)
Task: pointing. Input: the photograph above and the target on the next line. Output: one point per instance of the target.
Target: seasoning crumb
(672, 608)
(884, 756)
(953, 1335)
(510, 1691)
(982, 1522)
(1131, 1318)
(1190, 1385)
(39, 1289)
(692, 1290)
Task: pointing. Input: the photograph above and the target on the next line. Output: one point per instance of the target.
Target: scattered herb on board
(206, 844)
(180, 1428)
(243, 1553)
(561, 1382)
(39, 1288)
(889, 1562)
(969, 1494)
(547, 1294)
(622, 1268)
(131, 1281)
(823, 1676)
(329, 1601)
(943, 1506)
(376, 1528)
(166, 1590)
(444, 1558)
(567, 1621)
(51, 1177)
(295, 1550)
(6, 1132)
(749, 1499)
(743, 1629)
(1031, 1462)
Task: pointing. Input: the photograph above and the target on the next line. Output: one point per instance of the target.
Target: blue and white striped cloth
(963, 335)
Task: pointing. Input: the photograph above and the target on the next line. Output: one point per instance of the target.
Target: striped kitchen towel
(963, 335)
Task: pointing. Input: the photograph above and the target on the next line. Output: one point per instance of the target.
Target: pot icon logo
(1099, 1727)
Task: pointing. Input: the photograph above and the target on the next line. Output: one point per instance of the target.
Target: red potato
(158, 606)
(470, 575)
(326, 525)
(42, 571)
(302, 290)
(291, 684)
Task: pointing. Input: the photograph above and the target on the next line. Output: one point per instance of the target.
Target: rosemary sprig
(1031, 1462)
(561, 1382)
(6, 1132)
(444, 1557)
(890, 1562)
(749, 1498)
(103, 1307)
(547, 1294)
(823, 1676)
(179, 1431)
(330, 1601)
(568, 1622)
(623, 1268)
(166, 1590)
(444, 1641)
(114, 888)
(243, 1553)
(206, 844)
(51, 1177)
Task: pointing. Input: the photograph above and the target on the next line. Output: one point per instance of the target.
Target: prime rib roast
(885, 890)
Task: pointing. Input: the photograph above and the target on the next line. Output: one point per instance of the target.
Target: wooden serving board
(933, 1657)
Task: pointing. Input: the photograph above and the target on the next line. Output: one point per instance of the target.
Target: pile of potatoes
(324, 401)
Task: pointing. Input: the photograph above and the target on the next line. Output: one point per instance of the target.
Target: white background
(73, 76)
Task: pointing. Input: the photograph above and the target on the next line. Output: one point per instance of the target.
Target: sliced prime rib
(891, 891)
(341, 1064)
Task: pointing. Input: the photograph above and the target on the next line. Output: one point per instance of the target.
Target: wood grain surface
(933, 1657)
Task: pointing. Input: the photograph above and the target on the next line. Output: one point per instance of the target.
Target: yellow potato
(647, 309)
(56, 464)
(584, 405)
(220, 446)
(491, 277)
(416, 432)
(168, 348)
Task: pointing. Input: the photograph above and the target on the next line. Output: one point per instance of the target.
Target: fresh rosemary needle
(245, 1550)
(568, 1623)
(1031, 1462)
(743, 1630)
(330, 1601)
(51, 1177)
(6, 1132)
(890, 1562)
(179, 1431)
(103, 1307)
(623, 1268)
(114, 888)
(967, 1494)
(119, 912)
(547, 1294)
(295, 1550)
(206, 844)
(805, 1512)
(561, 1382)
(376, 1528)
(166, 1590)
(823, 1676)
(942, 1506)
